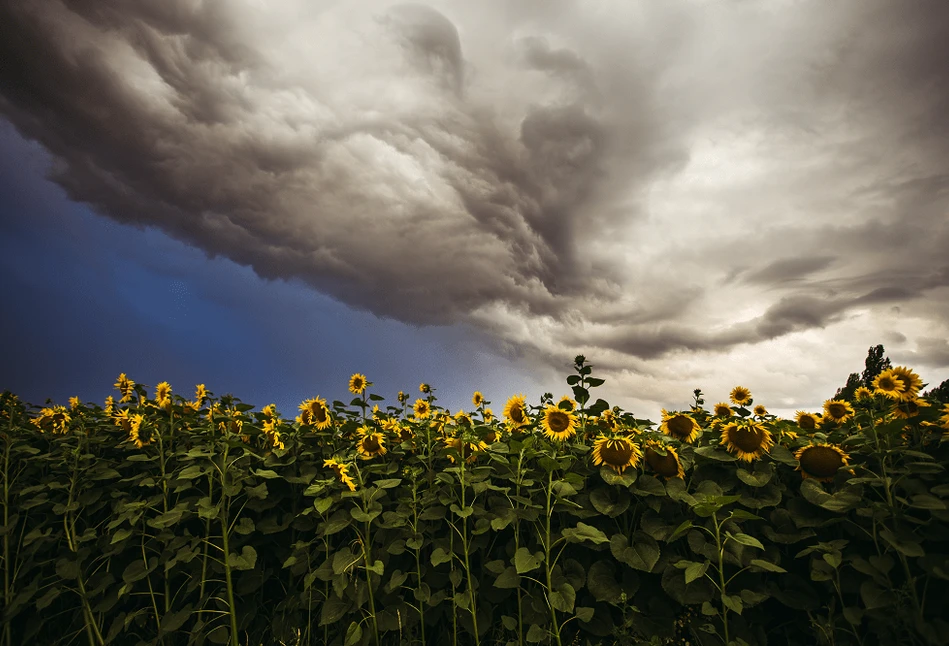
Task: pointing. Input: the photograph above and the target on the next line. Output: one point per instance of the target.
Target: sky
(267, 198)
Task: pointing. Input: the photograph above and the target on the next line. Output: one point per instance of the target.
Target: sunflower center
(319, 413)
(680, 426)
(517, 414)
(888, 383)
(665, 465)
(616, 452)
(558, 421)
(747, 438)
(821, 461)
(837, 411)
(371, 444)
(807, 422)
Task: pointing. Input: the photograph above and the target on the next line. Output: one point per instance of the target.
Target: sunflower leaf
(509, 578)
(768, 566)
(714, 454)
(584, 532)
(439, 556)
(695, 571)
(745, 539)
(733, 602)
(524, 561)
(643, 554)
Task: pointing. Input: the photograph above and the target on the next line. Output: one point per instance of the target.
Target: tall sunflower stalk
(366, 514)
(465, 510)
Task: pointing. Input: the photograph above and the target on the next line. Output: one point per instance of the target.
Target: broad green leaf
(695, 571)
(767, 565)
(439, 556)
(643, 554)
(563, 598)
(584, 532)
(524, 561)
(508, 578)
(714, 453)
(390, 483)
(353, 634)
(246, 560)
(584, 614)
(745, 539)
(874, 596)
(536, 634)
(733, 602)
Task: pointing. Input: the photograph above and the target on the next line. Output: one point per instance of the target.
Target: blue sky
(267, 200)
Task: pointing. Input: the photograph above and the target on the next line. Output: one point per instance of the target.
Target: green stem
(721, 574)
(227, 551)
(464, 541)
(547, 549)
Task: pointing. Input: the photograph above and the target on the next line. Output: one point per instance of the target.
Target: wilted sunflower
(477, 399)
(566, 403)
(748, 441)
(911, 382)
(340, 469)
(54, 419)
(357, 384)
(369, 443)
(668, 465)
(316, 413)
(125, 386)
(680, 426)
(740, 396)
(559, 424)
(760, 410)
(808, 422)
(618, 453)
(838, 410)
(467, 450)
(421, 409)
(909, 408)
(889, 384)
(721, 409)
(515, 412)
(820, 461)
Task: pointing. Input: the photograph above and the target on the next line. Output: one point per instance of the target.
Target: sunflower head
(567, 404)
(889, 384)
(680, 426)
(163, 394)
(341, 471)
(463, 419)
(607, 419)
(838, 410)
(316, 413)
(721, 409)
(421, 409)
(909, 408)
(515, 411)
(357, 384)
(911, 382)
(747, 440)
(466, 449)
(424, 388)
(559, 424)
(663, 460)
(862, 394)
(618, 453)
(760, 410)
(820, 461)
(369, 443)
(808, 422)
(740, 396)
(477, 399)
(402, 397)
(200, 394)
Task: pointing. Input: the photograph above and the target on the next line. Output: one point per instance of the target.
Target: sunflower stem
(721, 573)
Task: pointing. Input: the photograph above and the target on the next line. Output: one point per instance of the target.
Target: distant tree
(938, 394)
(875, 363)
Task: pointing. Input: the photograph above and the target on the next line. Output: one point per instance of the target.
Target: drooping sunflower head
(838, 410)
(820, 461)
(911, 382)
(163, 394)
(515, 411)
(889, 384)
(468, 450)
(567, 404)
(125, 386)
(618, 453)
(369, 443)
(721, 409)
(808, 422)
(862, 394)
(73, 403)
(109, 405)
(319, 413)
(341, 470)
(424, 388)
(760, 410)
(463, 419)
(740, 396)
(607, 419)
(477, 399)
(681, 426)
(747, 440)
(421, 409)
(909, 408)
(559, 424)
(404, 433)
(663, 460)
(357, 384)
(200, 394)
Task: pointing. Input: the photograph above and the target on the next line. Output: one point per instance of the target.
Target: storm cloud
(669, 187)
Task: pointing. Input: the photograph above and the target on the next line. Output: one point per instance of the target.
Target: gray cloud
(653, 181)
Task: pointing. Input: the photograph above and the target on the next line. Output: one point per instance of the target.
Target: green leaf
(733, 602)
(741, 514)
(269, 474)
(439, 556)
(172, 621)
(389, 483)
(584, 532)
(524, 561)
(120, 535)
(562, 489)
(247, 559)
(713, 453)
(680, 531)
(536, 634)
(902, 543)
(601, 582)
(464, 513)
(333, 610)
(259, 492)
(767, 565)
(695, 571)
(584, 614)
(376, 568)
(508, 578)
(643, 554)
(509, 623)
(563, 598)
(875, 596)
(745, 539)
(927, 501)
(353, 633)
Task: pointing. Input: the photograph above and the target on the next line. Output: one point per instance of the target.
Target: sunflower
(424, 388)
(748, 441)
(125, 385)
(109, 405)
(463, 419)
(200, 394)
(820, 461)
(838, 410)
(467, 450)
(269, 411)
(404, 433)
(680, 426)
(618, 453)
(73, 403)
(808, 422)
(566, 403)
(477, 399)
(911, 382)
(357, 384)
(760, 410)
(402, 397)
(740, 396)
(315, 413)
(721, 409)
(340, 469)
(909, 408)
(668, 465)
(369, 443)
(488, 415)
(163, 394)
(889, 384)
(862, 393)
(421, 409)
(607, 419)
(270, 429)
(53, 419)
(136, 430)
(559, 424)
(515, 412)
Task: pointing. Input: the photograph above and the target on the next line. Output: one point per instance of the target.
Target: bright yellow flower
(515, 412)
(477, 399)
(109, 405)
(163, 394)
(559, 424)
(125, 386)
(369, 443)
(421, 409)
(200, 394)
(889, 384)
(820, 461)
(679, 426)
(73, 403)
(567, 403)
(760, 410)
(748, 441)
(909, 408)
(862, 393)
(467, 450)
(721, 409)
(663, 460)
(618, 453)
(424, 388)
(357, 384)
(340, 469)
(316, 413)
(808, 422)
(838, 410)
(911, 382)
(740, 396)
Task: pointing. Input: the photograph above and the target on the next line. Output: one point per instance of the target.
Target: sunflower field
(165, 520)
